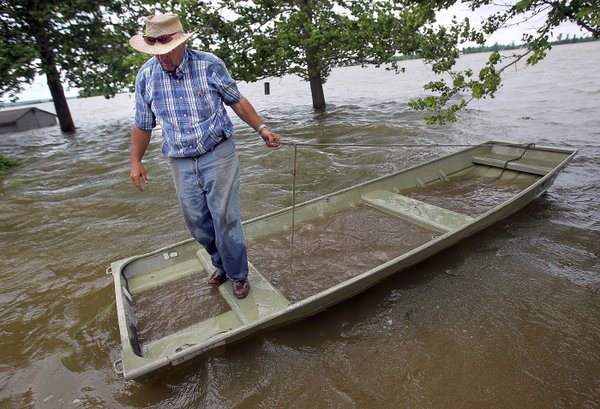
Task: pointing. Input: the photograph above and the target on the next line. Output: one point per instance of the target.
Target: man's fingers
(273, 140)
(137, 181)
(137, 173)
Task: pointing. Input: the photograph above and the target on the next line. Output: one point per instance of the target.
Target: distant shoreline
(28, 102)
(466, 50)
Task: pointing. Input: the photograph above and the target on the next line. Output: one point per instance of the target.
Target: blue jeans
(208, 189)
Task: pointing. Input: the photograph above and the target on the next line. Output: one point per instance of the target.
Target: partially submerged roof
(13, 115)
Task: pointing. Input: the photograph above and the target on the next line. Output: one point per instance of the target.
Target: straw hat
(157, 26)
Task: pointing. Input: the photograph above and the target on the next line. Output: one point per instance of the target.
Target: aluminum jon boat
(343, 243)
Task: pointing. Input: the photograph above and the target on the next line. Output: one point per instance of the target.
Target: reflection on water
(508, 318)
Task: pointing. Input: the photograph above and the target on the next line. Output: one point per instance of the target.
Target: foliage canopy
(80, 42)
(270, 38)
(86, 39)
(451, 95)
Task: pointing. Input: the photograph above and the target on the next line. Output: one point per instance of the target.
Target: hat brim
(138, 43)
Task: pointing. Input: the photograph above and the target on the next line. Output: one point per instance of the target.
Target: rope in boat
(505, 167)
(387, 145)
(293, 210)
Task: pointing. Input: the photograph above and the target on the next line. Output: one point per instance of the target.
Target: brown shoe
(217, 278)
(241, 288)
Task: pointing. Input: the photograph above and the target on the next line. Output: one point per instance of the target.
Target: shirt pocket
(202, 100)
(163, 109)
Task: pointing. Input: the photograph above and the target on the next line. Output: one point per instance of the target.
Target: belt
(223, 139)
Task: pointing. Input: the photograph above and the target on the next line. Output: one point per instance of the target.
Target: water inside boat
(328, 250)
(175, 305)
(473, 191)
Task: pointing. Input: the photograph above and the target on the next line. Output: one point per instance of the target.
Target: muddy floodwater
(508, 318)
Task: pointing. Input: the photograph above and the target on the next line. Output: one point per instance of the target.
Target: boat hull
(530, 169)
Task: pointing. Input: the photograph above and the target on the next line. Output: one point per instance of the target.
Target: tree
(82, 42)
(267, 38)
(444, 105)
(270, 38)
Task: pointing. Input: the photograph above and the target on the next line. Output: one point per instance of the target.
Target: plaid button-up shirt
(188, 103)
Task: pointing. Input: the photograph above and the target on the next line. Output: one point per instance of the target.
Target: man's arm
(246, 112)
(140, 138)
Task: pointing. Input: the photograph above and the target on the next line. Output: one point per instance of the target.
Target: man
(184, 90)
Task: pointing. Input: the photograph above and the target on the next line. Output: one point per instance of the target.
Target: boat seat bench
(415, 211)
(143, 282)
(526, 165)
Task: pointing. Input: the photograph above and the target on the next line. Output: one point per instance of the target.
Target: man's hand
(138, 174)
(272, 140)
(140, 138)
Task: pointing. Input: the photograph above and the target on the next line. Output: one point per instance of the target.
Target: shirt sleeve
(144, 117)
(225, 84)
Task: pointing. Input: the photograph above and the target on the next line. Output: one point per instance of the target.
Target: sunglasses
(161, 40)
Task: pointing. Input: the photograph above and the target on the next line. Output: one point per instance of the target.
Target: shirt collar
(181, 69)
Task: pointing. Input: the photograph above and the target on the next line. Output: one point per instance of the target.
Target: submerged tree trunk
(60, 102)
(316, 89)
(316, 81)
(313, 63)
(54, 83)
